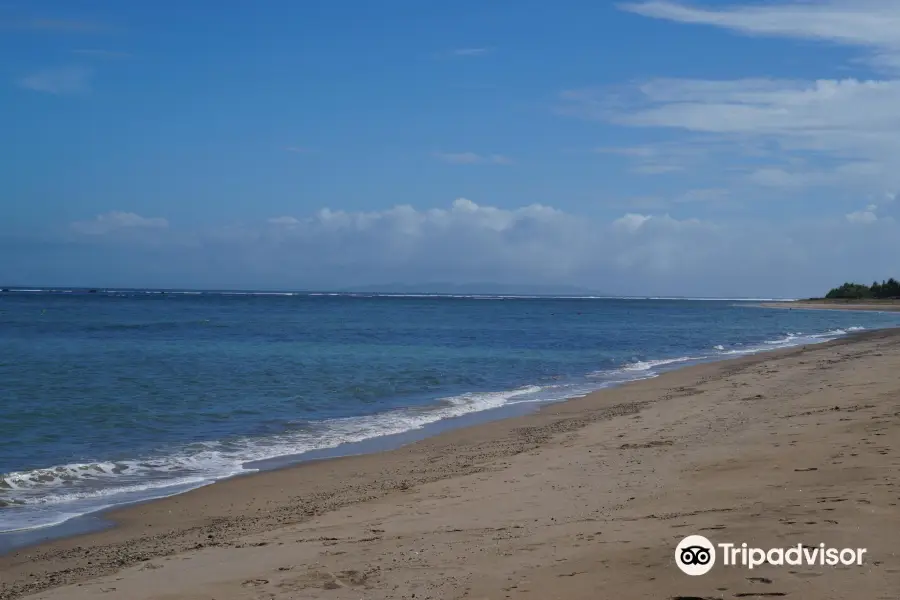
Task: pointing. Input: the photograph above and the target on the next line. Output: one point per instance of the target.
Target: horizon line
(350, 292)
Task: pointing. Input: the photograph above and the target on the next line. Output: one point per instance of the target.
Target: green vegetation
(859, 291)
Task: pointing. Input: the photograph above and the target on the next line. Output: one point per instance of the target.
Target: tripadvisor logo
(696, 555)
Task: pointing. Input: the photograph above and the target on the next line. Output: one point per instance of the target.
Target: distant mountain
(492, 289)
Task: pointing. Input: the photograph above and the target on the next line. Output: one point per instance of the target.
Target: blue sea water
(114, 397)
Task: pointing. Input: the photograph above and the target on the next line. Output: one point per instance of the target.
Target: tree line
(856, 291)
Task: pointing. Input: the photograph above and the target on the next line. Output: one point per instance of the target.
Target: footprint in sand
(805, 574)
(326, 580)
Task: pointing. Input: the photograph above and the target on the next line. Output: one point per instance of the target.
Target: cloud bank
(633, 253)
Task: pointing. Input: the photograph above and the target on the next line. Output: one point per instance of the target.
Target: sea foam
(49, 496)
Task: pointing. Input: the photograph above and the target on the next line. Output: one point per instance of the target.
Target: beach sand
(585, 499)
(886, 306)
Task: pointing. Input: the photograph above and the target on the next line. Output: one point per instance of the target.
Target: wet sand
(877, 306)
(584, 499)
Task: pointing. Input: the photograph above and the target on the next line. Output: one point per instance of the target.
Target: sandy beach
(888, 306)
(584, 499)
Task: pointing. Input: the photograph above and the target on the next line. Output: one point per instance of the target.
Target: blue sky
(711, 148)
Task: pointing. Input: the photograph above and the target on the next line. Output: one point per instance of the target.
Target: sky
(717, 148)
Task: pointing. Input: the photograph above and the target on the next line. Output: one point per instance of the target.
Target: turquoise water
(115, 397)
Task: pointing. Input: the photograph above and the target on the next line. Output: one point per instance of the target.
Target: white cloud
(870, 24)
(284, 221)
(648, 160)
(851, 124)
(466, 241)
(472, 158)
(766, 106)
(638, 252)
(815, 133)
(864, 217)
(405, 219)
(67, 80)
(684, 156)
(817, 113)
(631, 222)
(116, 221)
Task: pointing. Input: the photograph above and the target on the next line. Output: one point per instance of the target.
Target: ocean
(115, 397)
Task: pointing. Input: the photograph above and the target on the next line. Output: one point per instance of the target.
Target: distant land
(886, 290)
(491, 289)
(884, 296)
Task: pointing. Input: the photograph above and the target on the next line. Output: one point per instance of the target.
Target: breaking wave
(48, 496)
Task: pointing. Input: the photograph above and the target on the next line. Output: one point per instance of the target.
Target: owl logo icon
(695, 555)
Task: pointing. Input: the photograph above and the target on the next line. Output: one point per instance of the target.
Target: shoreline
(99, 520)
(229, 515)
(852, 306)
